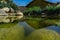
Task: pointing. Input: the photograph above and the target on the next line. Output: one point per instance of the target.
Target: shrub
(33, 11)
(12, 33)
(52, 12)
(43, 34)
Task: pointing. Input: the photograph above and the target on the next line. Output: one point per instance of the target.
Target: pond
(55, 28)
(27, 28)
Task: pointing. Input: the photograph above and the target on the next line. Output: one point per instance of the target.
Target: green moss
(41, 23)
(34, 24)
(7, 25)
(43, 34)
(12, 33)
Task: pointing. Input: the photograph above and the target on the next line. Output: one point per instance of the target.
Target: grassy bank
(41, 22)
(7, 25)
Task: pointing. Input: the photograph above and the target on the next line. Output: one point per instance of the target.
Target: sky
(26, 2)
(22, 2)
(53, 1)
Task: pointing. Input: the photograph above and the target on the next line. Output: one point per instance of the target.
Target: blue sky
(25, 2)
(22, 2)
(53, 1)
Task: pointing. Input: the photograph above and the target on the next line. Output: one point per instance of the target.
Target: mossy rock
(12, 33)
(43, 34)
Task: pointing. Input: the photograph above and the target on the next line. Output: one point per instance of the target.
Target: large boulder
(12, 33)
(43, 34)
(19, 15)
(6, 21)
(3, 15)
(6, 9)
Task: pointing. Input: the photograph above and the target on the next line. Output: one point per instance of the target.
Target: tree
(33, 11)
(9, 4)
(51, 11)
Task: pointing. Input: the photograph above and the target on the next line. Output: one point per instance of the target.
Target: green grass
(7, 25)
(34, 22)
(41, 23)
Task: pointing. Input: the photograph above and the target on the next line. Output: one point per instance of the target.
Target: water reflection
(55, 28)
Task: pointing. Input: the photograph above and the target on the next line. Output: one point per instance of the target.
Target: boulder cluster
(10, 16)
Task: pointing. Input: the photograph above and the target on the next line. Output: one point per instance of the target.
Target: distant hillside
(41, 3)
(22, 8)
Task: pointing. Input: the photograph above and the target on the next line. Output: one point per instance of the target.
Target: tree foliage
(34, 8)
(9, 4)
(33, 11)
